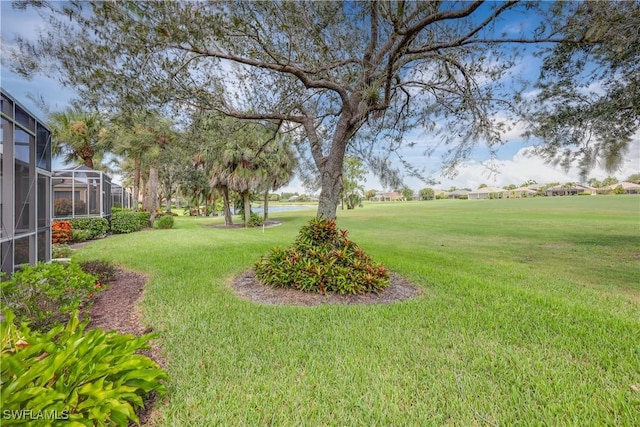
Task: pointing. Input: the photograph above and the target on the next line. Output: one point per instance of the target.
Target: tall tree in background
(353, 175)
(79, 136)
(345, 77)
(588, 107)
(142, 137)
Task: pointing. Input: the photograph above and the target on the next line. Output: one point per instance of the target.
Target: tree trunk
(330, 193)
(266, 205)
(331, 178)
(152, 196)
(226, 207)
(247, 207)
(136, 183)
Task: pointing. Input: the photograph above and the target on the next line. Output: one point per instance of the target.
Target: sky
(512, 165)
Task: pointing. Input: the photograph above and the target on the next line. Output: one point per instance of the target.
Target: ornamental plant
(61, 232)
(322, 259)
(164, 222)
(85, 378)
(46, 294)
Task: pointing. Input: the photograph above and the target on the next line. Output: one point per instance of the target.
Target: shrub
(143, 218)
(125, 221)
(105, 271)
(96, 226)
(164, 222)
(45, 294)
(84, 378)
(255, 220)
(62, 207)
(61, 232)
(322, 259)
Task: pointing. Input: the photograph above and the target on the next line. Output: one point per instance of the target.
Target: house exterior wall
(25, 187)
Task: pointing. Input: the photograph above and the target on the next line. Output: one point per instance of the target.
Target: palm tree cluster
(213, 156)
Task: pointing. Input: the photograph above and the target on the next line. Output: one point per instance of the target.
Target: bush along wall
(125, 221)
(93, 228)
(322, 259)
(45, 294)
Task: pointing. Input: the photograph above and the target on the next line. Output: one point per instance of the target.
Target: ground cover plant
(529, 316)
(45, 294)
(69, 376)
(322, 259)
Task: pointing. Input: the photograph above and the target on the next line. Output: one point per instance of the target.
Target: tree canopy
(588, 106)
(339, 77)
(79, 136)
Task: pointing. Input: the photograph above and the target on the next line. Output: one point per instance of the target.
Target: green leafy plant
(95, 226)
(164, 222)
(46, 294)
(84, 378)
(143, 218)
(105, 271)
(125, 221)
(322, 259)
(80, 235)
(255, 220)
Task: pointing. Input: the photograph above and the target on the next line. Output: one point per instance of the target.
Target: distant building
(393, 196)
(25, 187)
(488, 193)
(624, 187)
(569, 190)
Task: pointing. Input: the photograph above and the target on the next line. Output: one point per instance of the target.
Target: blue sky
(512, 164)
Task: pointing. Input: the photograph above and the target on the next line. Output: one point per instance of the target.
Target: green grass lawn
(530, 315)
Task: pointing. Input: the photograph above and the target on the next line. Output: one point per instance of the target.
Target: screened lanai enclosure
(81, 192)
(25, 173)
(121, 197)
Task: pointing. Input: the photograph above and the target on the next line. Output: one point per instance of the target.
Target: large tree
(342, 76)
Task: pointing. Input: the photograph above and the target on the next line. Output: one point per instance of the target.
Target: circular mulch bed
(247, 286)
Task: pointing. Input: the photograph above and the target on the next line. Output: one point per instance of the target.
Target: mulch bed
(248, 287)
(115, 309)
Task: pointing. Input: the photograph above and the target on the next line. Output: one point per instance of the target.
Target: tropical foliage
(79, 377)
(322, 259)
(79, 136)
(46, 294)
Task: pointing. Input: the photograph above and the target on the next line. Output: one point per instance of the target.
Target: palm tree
(79, 136)
(280, 162)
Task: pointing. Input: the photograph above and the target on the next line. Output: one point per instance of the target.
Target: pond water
(283, 208)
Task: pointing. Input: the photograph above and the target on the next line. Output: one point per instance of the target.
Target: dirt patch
(248, 287)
